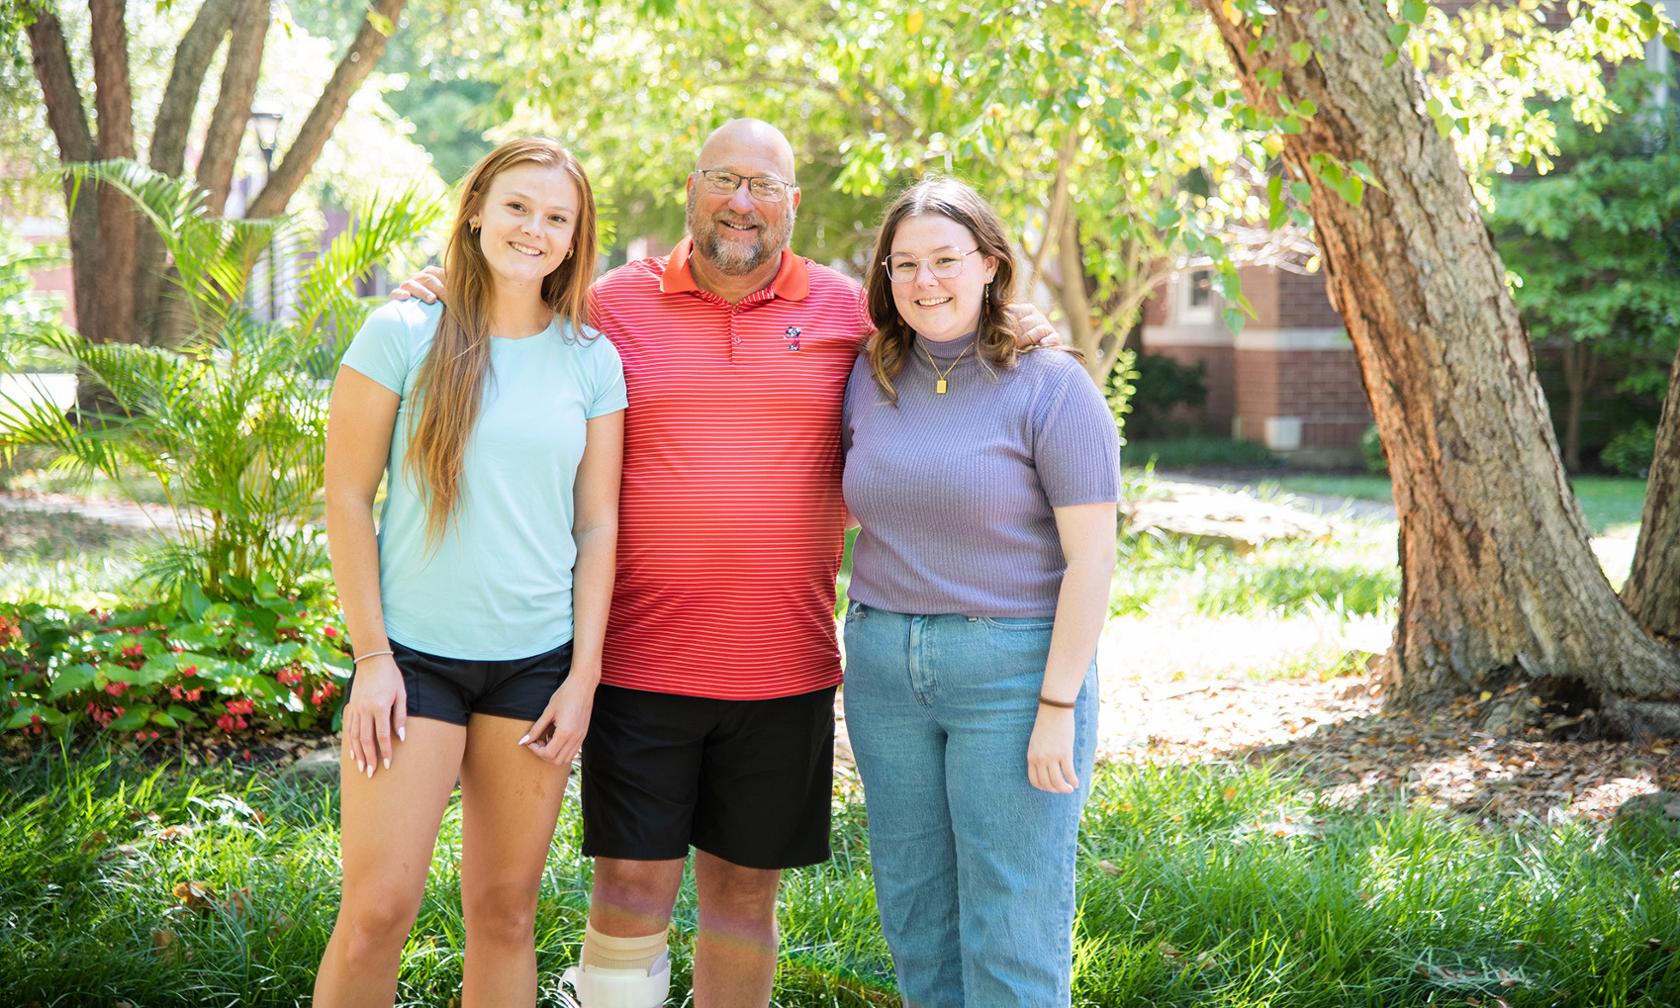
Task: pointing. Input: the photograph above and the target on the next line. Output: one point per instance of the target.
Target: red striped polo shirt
(730, 516)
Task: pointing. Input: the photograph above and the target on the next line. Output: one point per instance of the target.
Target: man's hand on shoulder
(426, 285)
(1036, 329)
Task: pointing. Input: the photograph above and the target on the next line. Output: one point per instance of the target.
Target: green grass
(65, 559)
(1355, 574)
(1205, 886)
(1613, 504)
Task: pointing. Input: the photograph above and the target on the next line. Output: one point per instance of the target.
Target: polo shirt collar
(792, 281)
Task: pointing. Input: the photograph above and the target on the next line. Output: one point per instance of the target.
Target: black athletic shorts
(748, 781)
(453, 689)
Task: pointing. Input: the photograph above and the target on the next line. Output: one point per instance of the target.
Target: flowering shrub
(227, 668)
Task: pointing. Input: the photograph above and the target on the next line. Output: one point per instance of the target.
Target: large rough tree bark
(114, 264)
(1652, 591)
(1498, 586)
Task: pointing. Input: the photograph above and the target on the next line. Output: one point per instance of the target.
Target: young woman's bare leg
(509, 802)
(389, 828)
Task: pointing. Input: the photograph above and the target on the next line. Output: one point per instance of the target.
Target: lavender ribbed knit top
(954, 492)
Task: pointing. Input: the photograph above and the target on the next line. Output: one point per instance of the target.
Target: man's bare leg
(735, 951)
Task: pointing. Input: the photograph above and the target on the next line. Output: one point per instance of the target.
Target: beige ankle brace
(606, 952)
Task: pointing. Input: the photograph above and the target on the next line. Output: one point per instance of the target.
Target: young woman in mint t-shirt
(477, 610)
(984, 482)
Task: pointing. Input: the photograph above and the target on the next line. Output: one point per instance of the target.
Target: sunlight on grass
(1224, 885)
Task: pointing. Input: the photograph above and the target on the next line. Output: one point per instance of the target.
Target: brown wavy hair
(890, 345)
(451, 381)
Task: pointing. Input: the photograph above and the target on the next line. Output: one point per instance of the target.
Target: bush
(1371, 447)
(1631, 451)
(1163, 383)
(278, 662)
(229, 427)
(1196, 452)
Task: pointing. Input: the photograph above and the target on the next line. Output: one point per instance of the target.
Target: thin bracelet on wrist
(1058, 704)
(375, 654)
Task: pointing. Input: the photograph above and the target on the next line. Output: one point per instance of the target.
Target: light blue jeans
(973, 865)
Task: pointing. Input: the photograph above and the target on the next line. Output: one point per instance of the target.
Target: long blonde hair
(890, 346)
(451, 381)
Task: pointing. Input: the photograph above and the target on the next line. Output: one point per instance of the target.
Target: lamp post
(266, 123)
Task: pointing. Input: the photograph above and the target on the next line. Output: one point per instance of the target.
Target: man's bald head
(748, 140)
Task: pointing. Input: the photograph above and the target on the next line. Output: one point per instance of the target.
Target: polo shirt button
(735, 339)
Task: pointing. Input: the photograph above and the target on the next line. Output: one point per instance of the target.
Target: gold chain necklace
(940, 384)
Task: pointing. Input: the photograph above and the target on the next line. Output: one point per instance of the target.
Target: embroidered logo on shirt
(793, 337)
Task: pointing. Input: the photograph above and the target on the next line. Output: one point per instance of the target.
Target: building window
(1200, 294)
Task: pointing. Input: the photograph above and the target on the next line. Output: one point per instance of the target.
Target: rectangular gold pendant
(939, 386)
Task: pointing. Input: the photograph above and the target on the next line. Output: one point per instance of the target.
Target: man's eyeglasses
(763, 188)
(944, 264)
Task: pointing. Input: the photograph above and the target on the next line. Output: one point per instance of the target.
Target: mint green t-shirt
(498, 584)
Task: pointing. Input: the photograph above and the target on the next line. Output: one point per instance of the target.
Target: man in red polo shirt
(713, 726)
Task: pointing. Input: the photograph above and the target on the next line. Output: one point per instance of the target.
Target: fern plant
(230, 424)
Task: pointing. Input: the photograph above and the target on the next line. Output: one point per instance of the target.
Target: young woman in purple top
(984, 479)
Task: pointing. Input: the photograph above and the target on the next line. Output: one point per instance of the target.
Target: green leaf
(1300, 52)
(133, 718)
(182, 714)
(76, 677)
(1397, 33)
(1301, 190)
(1414, 11)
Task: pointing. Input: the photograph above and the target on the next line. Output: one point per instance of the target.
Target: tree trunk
(1579, 371)
(233, 103)
(357, 63)
(50, 56)
(119, 223)
(1498, 584)
(1652, 591)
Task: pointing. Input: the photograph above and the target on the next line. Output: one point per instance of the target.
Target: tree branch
(50, 56)
(233, 103)
(180, 95)
(113, 99)
(357, 63)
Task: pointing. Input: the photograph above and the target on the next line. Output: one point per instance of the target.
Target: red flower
(133, 651)
(194, 694)
(240, 707)
(330, 631)
(117, 688)
(289, 676)
(190, 670)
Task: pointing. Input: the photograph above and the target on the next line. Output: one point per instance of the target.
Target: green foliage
(1162, 384)
(230, 426)
(275, 662)
(1596, 245)
(1631, 452)
(1196, 452)
(1371, 449)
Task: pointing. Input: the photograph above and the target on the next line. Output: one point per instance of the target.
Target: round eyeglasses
(902, 267)
(763, 188)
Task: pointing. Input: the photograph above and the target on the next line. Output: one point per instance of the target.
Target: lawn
(1613, 504)
(1218, 885)
(1232, 879)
